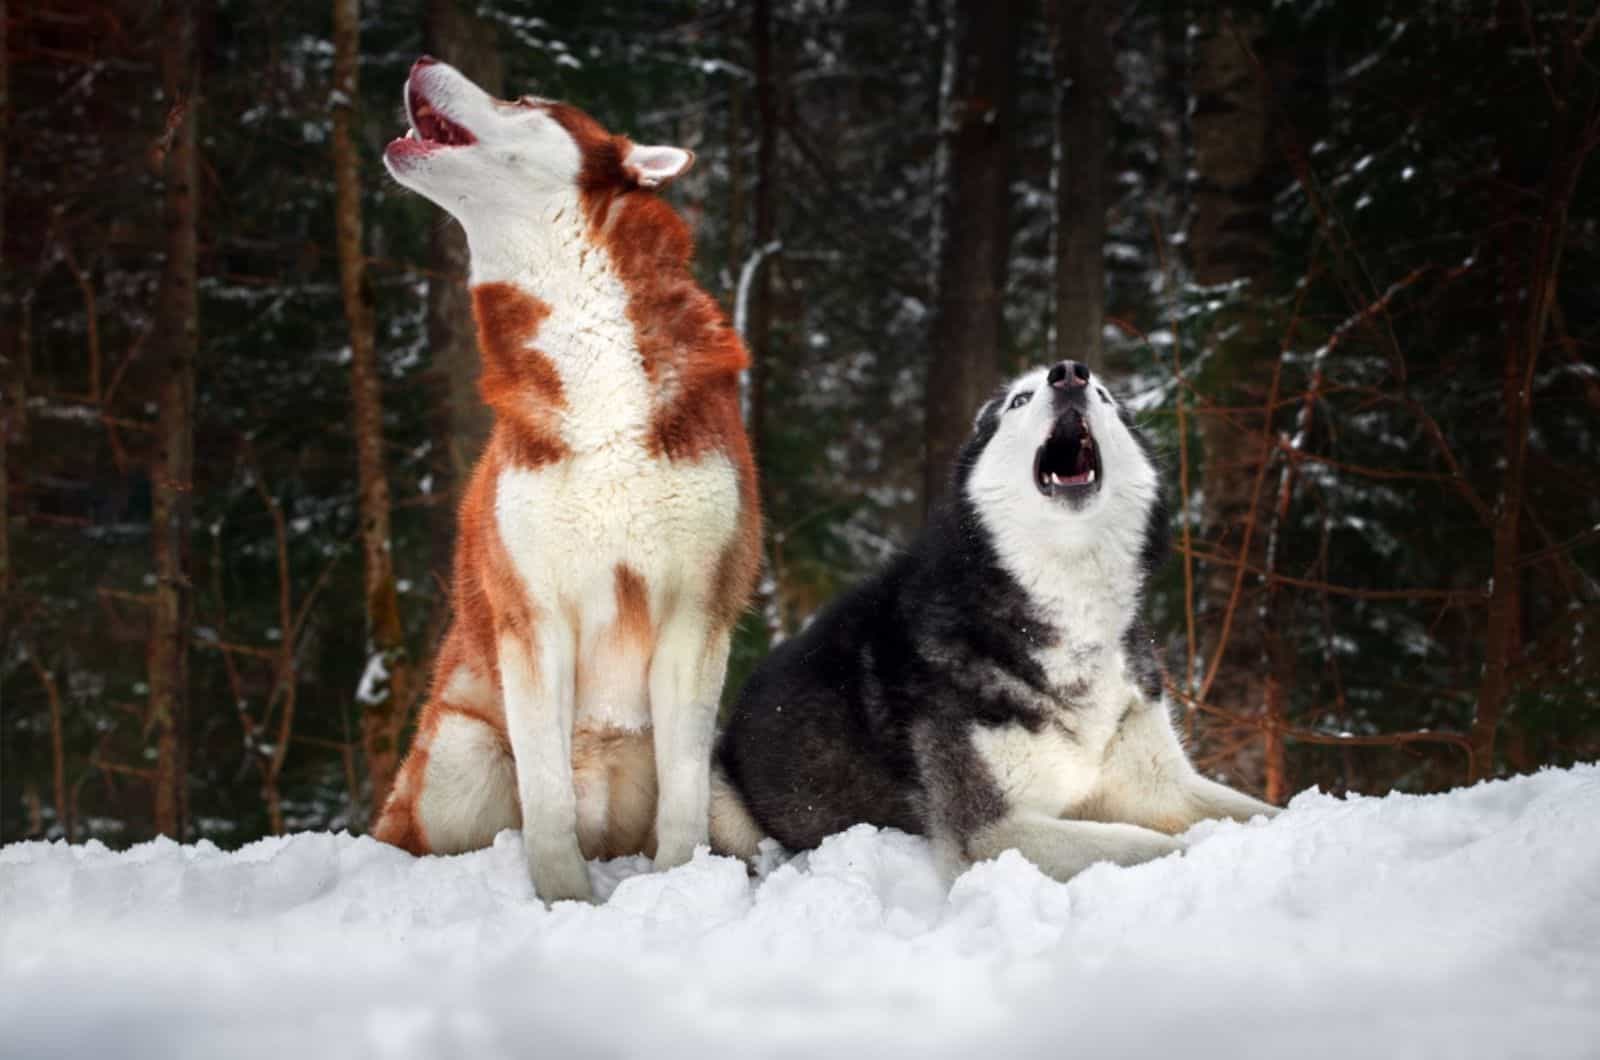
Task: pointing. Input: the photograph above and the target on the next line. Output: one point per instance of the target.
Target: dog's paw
(558, 872)
(1148, 847)
(676, 847)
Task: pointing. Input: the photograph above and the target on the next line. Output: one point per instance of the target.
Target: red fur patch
(739, 567)
(633, 607)
(518, 381)
(490, 597)
(508, 321)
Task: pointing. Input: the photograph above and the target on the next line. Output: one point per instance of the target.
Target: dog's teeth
(411, 134)
(1089, 477)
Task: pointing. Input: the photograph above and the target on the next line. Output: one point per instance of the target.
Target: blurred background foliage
(1340, 244)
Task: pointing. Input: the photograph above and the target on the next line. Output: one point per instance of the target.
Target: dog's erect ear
(654, 166)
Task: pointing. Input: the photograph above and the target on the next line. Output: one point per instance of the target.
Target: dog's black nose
(1069, 375)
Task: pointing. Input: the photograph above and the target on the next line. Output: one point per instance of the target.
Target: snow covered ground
(1457, 925)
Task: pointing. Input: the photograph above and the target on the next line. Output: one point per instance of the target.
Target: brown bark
(384, 702)
(966, 332)
(1230, 235)
(1230, 240)
(177, 331)
(58, 747)
(1081, 56)
(758, 330)
(454, 33)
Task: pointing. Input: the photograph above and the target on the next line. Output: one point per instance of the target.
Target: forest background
(1344, 258)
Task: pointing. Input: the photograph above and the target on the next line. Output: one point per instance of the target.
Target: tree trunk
(758, 332)
(1230, 240)
(1502, 639)
(58, 746)
(1081, 56)
(1529, 292)
(966, 333)
(177, 330)
(1231, 234)
(10, 403)
(386, 682)
(736, 183)
(454, 33)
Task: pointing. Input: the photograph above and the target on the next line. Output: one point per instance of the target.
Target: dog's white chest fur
(571, 523)
(1058, 769)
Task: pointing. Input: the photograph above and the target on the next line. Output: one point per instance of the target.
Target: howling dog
(609, 536)
(993, 689)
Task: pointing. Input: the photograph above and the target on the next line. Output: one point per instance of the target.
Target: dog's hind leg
(461, 792)
(734, 830)
(457, 789)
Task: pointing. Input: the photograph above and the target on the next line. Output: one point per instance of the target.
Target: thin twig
(1453, 595)
(1184, 530)
(1303, 735)
(1244, 546)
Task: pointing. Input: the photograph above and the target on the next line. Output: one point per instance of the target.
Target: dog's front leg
(536, 676)
(686, 677)
(1061, 848)
(1148, 780)
(1209, 799)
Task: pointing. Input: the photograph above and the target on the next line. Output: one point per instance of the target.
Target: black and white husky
(993, 688)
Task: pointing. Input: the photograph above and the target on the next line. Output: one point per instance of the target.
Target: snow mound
(1465, 924)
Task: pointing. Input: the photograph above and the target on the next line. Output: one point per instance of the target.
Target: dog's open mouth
(431, 127)
(1068, 463)
(430, 131)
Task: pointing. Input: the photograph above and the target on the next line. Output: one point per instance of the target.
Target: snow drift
(1465, 924)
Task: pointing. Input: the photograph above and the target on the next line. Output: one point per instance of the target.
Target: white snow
(1458, 925)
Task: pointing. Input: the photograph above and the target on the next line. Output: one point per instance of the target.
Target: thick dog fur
(993, 688)
(609, 536)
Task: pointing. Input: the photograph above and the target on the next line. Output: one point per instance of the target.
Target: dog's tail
(734, 829)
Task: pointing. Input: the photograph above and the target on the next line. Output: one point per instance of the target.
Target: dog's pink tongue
(1078, 479)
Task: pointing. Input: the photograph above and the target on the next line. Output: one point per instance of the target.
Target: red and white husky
(609, 537)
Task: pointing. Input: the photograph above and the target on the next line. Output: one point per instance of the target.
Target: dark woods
(1344, 258)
